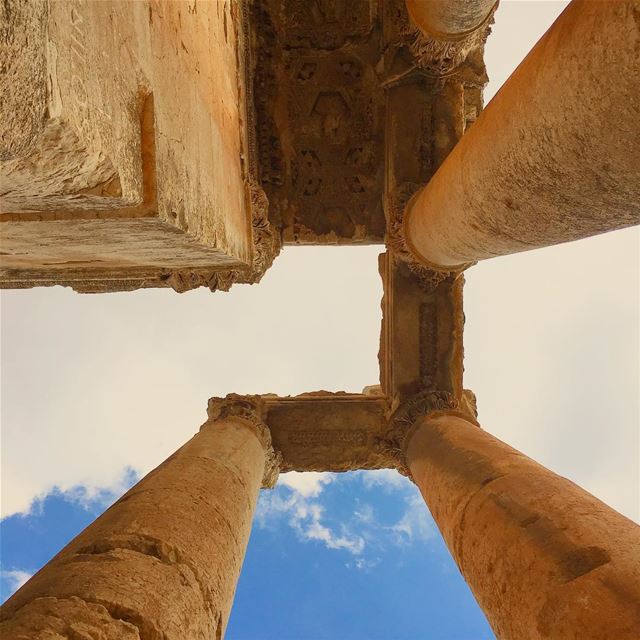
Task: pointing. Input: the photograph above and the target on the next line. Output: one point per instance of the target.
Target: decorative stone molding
(441, 55)
(429, 276)
(266, 246)
(249, 410)
(404, 418)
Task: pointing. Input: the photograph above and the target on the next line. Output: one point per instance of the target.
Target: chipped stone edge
(265, 237)
(249, 410)
(404, 420)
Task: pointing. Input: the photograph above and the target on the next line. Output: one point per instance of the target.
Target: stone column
(553, 158)
(544, 558)
(164, 560)
(449, 19)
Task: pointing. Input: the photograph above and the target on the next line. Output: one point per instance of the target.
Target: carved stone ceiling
(355, 109)
(337, 85)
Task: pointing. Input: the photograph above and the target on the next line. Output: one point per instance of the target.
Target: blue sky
(350, 556)
(98, 390)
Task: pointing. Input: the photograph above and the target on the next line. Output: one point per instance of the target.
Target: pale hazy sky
(92, 385)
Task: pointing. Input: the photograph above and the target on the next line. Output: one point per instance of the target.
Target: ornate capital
(419, 406)
(249, 410)
(429, 276)
(441, 55)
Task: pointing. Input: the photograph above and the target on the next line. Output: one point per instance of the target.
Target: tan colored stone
(450, 19)
(124, 134)
(544, 558)
(164, 560)
(553, 158)
(56, 619)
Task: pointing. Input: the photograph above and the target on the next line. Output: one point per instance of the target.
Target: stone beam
(324, 431)
(544, 558)
(530, 175)
(163, 561)
(126, 147)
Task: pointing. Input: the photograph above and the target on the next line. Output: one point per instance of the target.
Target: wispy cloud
(300, 502)
(305, 516)
(416, 524)
(15, 578)
(89, 497)
(388, 479)
(308, 484)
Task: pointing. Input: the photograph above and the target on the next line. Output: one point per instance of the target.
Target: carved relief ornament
(406, 416)
(249, 411)
(439, 55)
(429, 276)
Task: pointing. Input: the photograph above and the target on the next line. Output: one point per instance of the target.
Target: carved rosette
(404, 418)
(249, 410)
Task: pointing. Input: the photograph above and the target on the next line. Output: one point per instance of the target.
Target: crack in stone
(153, 547)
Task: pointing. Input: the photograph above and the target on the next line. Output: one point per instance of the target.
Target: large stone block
(124, 145)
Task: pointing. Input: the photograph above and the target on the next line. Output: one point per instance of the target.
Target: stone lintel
(421, 341)
(324, 431)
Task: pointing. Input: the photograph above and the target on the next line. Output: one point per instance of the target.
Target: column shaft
(554, 157)
(164, 560)
(544, 558)
(449, 19)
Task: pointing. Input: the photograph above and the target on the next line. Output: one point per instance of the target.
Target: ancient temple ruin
(181, 144)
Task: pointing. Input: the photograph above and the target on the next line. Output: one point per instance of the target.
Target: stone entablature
(177, 144)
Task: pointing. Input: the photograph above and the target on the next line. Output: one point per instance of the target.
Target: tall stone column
(163, 561)
(544, 558)
(553, 158)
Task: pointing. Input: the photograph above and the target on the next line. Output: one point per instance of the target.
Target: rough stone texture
(324, 431)
(323, 80)
(62, 619)
(544, 558)
(450, 19)
(163, 561)
(555, 155)
(421, 338)
(124, 134)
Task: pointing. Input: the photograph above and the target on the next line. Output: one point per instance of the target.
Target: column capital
(440, 53)
(429, 275)
(423, 404)
(249, 410)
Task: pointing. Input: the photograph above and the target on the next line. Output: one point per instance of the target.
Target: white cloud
(416, 524)
(388, 479)
(308, 484)
(305, 516)
(362, 535)
(15, 577)
(93, 384)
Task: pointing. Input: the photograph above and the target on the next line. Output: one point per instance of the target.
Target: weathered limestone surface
(450, 19)
(555, 155)
(124, 141)
(324, 79)
(163, 561)
(322, 431)
(544, 558)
